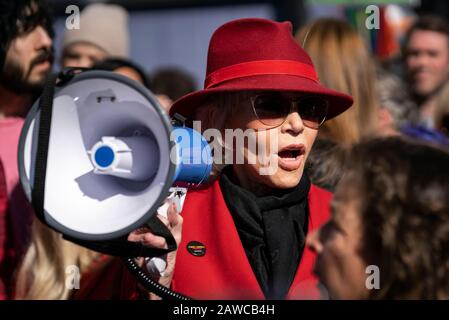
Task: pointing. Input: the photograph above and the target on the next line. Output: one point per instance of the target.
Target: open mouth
(290, 157)
(291, 152)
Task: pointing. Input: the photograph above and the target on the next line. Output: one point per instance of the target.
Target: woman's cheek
(310, 135)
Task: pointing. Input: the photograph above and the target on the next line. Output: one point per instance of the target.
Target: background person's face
(292, 134)
(130, 73)
(82, 55)
(339, 265)
(28, 62)
(427, 61)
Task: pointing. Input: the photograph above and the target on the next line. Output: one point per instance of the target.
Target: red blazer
(224, 271)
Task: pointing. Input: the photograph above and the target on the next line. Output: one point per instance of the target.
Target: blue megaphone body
(135, 158)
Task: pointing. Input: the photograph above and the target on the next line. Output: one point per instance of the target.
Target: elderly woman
(389, 234)
(243, 236)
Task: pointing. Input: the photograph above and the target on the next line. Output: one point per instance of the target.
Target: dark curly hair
(19, 17)
(403, 192)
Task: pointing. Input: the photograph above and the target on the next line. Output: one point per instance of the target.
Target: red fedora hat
(258, 54)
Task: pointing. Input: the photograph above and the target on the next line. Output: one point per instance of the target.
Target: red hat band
(263, 67)
(258, 54)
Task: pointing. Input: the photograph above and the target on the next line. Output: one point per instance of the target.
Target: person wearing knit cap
(97, 37)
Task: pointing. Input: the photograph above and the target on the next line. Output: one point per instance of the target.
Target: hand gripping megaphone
(98, 156)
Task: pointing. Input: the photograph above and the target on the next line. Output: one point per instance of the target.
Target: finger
(164, 220)
(149, 240)
(135, 236)
(174, 218)
(152, 241)
(140, 261)
(175, 224)
(141, 230)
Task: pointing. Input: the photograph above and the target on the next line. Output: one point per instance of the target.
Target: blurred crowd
(385, 159)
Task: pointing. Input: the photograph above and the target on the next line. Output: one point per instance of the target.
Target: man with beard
(25, 62)
(427, 63)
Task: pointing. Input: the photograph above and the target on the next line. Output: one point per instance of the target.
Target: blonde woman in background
(343, 63)
(42, 274)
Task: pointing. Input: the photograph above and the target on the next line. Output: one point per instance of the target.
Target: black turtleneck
(272, 229)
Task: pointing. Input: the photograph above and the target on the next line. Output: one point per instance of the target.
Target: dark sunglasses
(272, 109)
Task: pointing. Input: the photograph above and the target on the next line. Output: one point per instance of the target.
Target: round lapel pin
(196, 248)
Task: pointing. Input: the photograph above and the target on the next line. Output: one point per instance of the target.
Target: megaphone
(110, 156)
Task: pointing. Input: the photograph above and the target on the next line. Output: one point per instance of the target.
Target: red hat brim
(338, 102)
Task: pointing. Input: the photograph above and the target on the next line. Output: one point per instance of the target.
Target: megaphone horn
(99, 155)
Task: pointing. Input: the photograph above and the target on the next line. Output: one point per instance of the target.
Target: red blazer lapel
(224, 271)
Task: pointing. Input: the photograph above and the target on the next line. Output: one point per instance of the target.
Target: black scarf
(272, 229)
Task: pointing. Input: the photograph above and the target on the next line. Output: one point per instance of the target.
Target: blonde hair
(343, 63)
(42, 274)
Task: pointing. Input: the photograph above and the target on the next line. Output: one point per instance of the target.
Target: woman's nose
(293, 124)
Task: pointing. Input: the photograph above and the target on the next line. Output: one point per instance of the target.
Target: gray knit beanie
(104, 25)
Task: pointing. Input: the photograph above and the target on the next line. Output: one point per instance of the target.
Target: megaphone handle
(43, 138)
(40, 168)
(124, 248)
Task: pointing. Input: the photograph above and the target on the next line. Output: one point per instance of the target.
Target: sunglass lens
(271, 109)
(313, 111)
